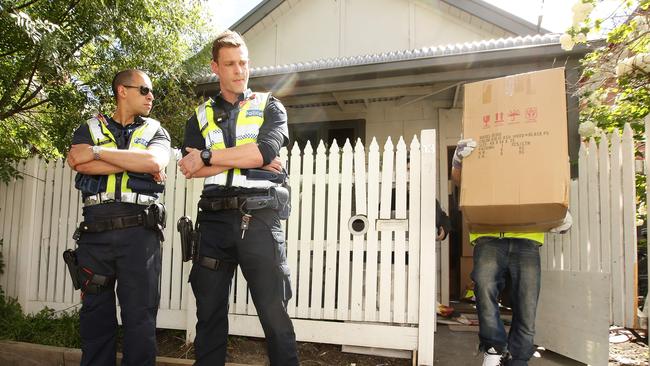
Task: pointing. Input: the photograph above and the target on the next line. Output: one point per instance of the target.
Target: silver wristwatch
(96, 150)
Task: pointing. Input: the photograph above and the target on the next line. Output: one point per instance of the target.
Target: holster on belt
(70, 259)
(190, 238)
(155, 217)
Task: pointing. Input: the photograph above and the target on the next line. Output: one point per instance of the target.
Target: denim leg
(490, 265)
(525, 271)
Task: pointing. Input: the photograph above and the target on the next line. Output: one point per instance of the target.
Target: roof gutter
(461, 67)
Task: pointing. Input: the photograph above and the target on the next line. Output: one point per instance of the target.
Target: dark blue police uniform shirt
(122, 135)
(273, 135)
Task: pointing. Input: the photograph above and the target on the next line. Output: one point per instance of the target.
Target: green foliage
(57, 59)
(45, 327)
(614, 86)
(175, 99)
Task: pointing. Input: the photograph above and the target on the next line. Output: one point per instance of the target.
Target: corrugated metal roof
(403, 55)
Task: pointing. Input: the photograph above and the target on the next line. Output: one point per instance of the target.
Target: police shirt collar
(240, 98)
(137, 121)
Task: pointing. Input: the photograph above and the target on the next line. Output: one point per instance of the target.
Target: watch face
(205, 156)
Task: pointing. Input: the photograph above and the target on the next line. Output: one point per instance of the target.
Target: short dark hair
(124, 77)
(227, 38)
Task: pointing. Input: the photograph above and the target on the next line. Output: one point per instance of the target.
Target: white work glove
(565, 226)
(463, 149)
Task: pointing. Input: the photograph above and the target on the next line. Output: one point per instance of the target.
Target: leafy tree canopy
(57, 59)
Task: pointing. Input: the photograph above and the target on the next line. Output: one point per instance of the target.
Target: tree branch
(68, 11)
(19, 108)
(19, 7)
(31, 77)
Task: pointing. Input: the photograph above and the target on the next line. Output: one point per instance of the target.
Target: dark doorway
(314, 132)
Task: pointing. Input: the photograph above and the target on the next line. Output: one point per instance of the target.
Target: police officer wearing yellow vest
(118, 159)
(228, 135)
(497, 255)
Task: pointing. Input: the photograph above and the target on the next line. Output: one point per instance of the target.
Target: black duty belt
(215, 264)
(121, 222)
(224, 203)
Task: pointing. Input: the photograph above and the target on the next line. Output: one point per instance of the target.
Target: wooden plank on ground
(573, 315)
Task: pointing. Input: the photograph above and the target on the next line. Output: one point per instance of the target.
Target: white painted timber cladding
(356, 27)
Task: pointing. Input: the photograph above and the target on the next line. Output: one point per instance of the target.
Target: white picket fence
(603, 238)
(375, 290)
(589, 275)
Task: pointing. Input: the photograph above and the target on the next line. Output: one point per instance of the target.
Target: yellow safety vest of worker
(538, 237)
(139, 140)
(248, 123)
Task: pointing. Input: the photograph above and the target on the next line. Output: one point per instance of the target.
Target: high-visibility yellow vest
(140, 138)
(538, 237)
(249, 121)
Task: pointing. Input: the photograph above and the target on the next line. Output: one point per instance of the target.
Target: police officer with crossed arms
(118, 160)
(232, 132)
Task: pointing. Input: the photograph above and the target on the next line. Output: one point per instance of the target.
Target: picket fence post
(428, 261)
(26, 232)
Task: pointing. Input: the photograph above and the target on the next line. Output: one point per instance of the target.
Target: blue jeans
(494, 259)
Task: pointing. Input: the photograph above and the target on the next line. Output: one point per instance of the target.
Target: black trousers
(261, 255)
(131, 256)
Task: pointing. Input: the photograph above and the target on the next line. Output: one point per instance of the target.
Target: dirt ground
(626, 349)
(252, 351)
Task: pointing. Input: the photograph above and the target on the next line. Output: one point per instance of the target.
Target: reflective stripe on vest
(140, 138)
(538, 237)
(249, 120)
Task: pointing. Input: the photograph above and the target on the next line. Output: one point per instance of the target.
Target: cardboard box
(517, 179)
